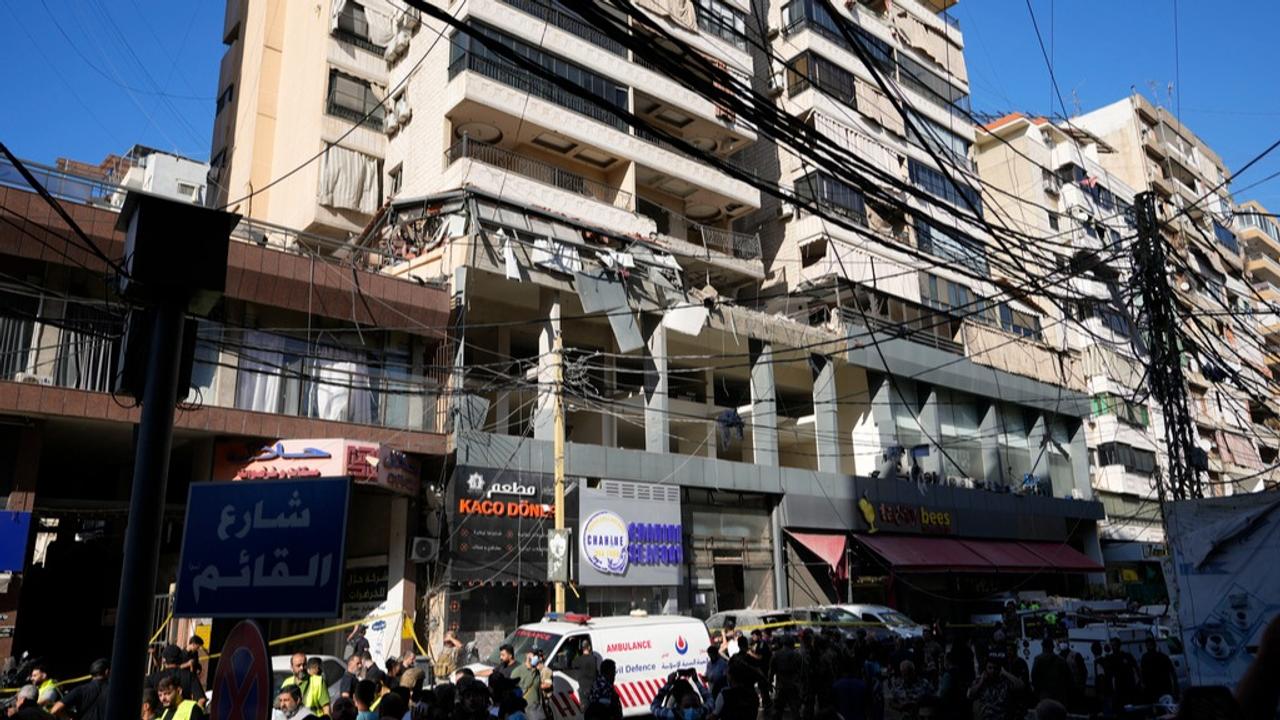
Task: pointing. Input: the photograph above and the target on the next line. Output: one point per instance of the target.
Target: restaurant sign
(367, 463)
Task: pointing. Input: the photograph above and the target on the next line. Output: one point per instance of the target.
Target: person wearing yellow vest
(177, 707)
(46, 686)
(309, 678)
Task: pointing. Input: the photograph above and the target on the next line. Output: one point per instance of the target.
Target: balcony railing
(538, 170)
(526, 82)
(350, 38)
(549, 12)
(744, 246)
(918, 331)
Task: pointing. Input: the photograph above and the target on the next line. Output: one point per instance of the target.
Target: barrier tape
(271, 643)
(849, 623)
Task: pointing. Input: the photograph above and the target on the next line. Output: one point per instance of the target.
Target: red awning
(1007, 556)
(926, 554)
(935, 554)
(827, 546)
(1061, 556)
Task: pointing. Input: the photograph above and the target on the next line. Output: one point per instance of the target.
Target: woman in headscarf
(603, 702)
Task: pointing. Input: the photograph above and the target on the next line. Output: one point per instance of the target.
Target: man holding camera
(690, 699)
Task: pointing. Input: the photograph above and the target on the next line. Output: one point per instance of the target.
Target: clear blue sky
(119, 72)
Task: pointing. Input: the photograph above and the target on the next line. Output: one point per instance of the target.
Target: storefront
(656, 547)
(380, 579)
(937, 552)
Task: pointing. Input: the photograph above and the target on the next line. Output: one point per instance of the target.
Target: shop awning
(925, 554)
(1063, 557)
(933, 554)
(1007, 556)
(829, 547)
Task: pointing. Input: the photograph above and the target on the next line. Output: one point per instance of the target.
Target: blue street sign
(273, 548)
(15, 529)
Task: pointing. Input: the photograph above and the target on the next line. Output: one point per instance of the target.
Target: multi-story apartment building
(300, 79)
(283, 355)
(784, 452)
(1227, 373)
(1049, 182)
(1259, 233)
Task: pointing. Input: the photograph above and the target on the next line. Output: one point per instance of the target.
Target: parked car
(837, 618)
(892, 620)
(331, 667)
(749, 619)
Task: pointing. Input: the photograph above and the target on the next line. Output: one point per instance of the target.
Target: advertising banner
(368, 595)
(270, 548)
(630, 534)
(1222, 582)
(367, 463)
(499, 520)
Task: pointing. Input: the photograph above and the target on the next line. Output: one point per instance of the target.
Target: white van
(896, 623)
(645, 648)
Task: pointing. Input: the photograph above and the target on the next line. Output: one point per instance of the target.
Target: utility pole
(558, 441)
(1158, 318)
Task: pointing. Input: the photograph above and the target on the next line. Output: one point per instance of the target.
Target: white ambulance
(645, 648)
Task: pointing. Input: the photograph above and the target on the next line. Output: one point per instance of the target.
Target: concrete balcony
(530, 182)
(1264, 268)
(577, 41)
(1018, 355)
(526, 108)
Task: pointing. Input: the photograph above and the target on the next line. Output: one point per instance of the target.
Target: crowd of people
(827, 674)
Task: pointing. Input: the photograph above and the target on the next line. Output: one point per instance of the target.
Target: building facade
(282, 356)
(1226, 368)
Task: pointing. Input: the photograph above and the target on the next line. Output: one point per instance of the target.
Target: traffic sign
(271, 548)
(242, 683)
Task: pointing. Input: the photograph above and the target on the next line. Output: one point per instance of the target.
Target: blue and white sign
(15, 530)
(630, 534)
(272, 548)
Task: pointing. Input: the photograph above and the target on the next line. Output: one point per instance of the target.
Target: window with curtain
(938, 185)
(951, 245)
(833, 195)
(337, 385)
(352, 98)
(1133, 459)
(717, 18)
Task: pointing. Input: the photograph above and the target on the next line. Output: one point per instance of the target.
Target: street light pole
(558, 442)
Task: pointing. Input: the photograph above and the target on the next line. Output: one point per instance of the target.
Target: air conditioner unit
(409, 19)
(424, 549)
(33, 378)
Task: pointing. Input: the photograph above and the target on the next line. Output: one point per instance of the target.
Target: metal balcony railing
(526, 82)
(922, 332)
(744, 246)
(538, 170)
(364, 43)
(548, 11)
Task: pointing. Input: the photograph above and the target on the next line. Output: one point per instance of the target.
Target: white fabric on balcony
(876, 107)
(381, 19)
(680, 12)
(348, 180)
(558, 256)
(340, 390)
(335, 12)
(258, 382)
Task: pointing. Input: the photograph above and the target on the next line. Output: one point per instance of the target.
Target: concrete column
(502, 404)
(609, 421)
(1093, 548)
(46, 338)
(22, 498)
(876, 429)
(401, 584)
(826, 425)
(780, 599)
(544, 409)
(1078, 452)
(657, 403)
(713, 428)
(764, 405)
(992, 459)
(931, 429)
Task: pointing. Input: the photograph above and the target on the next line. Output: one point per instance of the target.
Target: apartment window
(395, 178)
(1226, 238)
(1131, 413)
(931, 86)
(950, 296)
(474, 56)
(352, 98)
(1051, 182)
(833, 195)
(1133, 459)
(813, 14)
(225, 98)
(939, 139)
(1111, 318)
(939, 186)
(1018, 322)
(1054, 222)
(952, 246)
(353, 27)
(187, 189)
(812, 69)
(721, 20)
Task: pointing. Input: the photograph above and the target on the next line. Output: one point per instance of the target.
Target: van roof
(604, 623)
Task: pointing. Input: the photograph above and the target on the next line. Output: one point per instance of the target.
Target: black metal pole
(146, 510)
